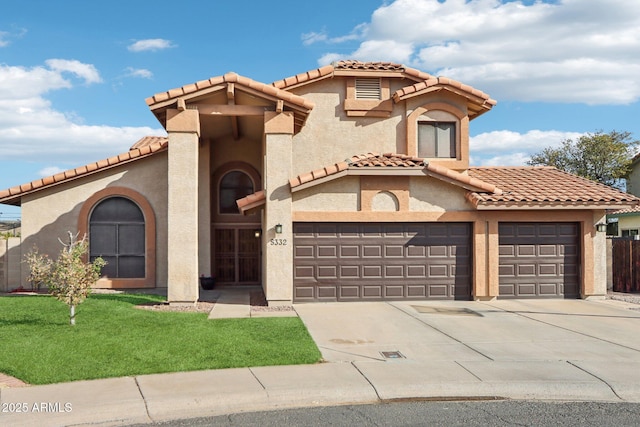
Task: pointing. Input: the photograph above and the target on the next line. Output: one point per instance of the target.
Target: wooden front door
(236, 257)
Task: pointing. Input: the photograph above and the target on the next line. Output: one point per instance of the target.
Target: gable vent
(368, 89)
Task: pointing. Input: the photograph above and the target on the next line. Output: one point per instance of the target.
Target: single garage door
(381, 261)
(539, 260)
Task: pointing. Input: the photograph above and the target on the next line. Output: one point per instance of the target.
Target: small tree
(70, 277)
(601, 157)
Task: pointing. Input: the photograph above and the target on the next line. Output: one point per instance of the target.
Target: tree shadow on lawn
(133, 299)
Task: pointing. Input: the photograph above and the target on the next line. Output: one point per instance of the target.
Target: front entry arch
(235, 238)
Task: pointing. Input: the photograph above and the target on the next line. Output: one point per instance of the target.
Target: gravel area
(199, 307)
(620, 296)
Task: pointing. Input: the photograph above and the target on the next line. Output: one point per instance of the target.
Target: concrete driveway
(476, 331)
(563, 349)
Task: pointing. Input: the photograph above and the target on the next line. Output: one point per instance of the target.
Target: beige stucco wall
(429, 194)
(329, 136)
(628, 222)
(49, 214)
(341, 194)
(278, 247)
(10, 263)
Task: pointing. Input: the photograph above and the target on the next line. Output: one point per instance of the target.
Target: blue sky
(74, 74)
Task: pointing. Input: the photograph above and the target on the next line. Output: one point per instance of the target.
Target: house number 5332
(278, 242)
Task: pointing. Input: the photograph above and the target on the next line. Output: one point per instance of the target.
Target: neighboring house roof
(479, 101)
(536, 187)
(635, 210)
(389, 164)
(145, 147)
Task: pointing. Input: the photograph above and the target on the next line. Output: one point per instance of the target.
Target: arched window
(233, 186)
(117, 234)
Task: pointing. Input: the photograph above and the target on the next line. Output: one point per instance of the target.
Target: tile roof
(145, 147)
(544, 186)
(351, 65)
(389, 163)
(423, 81)
(252, 201)
(627, 211)
(418, 88)
(162, 98)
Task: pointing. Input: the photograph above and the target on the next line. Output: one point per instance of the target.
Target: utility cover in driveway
(539, 260)
(381, 261)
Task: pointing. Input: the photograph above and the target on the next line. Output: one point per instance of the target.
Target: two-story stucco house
(347, 182)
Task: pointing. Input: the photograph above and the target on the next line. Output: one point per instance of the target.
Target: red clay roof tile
(230, 78)
(144, 147)
(251, 201)
(544, 185)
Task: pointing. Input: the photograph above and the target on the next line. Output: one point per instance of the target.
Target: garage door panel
(369, 251)
(327, 272)
(327, 292)
(383, 261)
(539, 260)
(349, 271)
(349, 292)
(548, 270)
(526, 270)
(416, 251)
(526, 250)
(507, 250)
(437, 251)
(416, 291)
(548, 250)
(372, 271)
(349, 251)
(304, 272)
(394, 291)
(394, 251)
(327, 251)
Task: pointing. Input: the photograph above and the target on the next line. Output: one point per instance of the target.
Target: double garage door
(417, 261)
(381, 261)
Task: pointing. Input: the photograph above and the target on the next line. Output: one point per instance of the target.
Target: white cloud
(50, 170)
(150, 45)
(509, 148)
(31, 129)
(84, 71)
(6, 36)
(562, 51)
(139, 72)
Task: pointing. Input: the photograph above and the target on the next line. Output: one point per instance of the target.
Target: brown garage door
(381, 261)
(539, 260)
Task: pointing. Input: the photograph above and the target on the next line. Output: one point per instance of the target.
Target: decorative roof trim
(163, 99)
(145, 147)
(389, 164)
(252, 202)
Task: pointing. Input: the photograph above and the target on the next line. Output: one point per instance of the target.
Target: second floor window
(437, 140)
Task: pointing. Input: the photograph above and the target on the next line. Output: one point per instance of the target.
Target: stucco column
(595, 258)
(278, 247)
(485, 252)
(183, 127)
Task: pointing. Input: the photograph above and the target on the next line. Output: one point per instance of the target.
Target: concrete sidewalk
(546, 350)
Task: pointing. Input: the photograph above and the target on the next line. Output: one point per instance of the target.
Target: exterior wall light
(278, 228)
(601, 227)
(257, 233)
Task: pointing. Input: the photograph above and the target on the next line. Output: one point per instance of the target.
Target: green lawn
(112, 338)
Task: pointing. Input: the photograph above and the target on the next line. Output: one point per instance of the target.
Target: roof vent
(368, 89)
